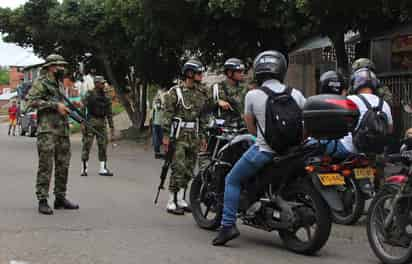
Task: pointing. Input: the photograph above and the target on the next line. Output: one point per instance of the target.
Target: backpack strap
(367, 104)
(380, 105)
(215, 88)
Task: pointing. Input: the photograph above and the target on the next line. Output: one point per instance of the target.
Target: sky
(12, 54)
(11, 3)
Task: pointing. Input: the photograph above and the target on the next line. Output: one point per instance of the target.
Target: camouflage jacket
(44, 97)
(234, 95)
(86, 101)
(194, 99)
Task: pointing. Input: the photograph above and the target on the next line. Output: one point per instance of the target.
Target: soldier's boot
(63, 203)
(104, 171)
(172, 206)
(44, 207)
(181, 202)
(84, 168)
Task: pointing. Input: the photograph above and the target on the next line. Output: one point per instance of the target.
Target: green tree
(4, 76)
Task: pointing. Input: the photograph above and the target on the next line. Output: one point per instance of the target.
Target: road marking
(18, 262)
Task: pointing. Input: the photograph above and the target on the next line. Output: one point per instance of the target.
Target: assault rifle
(174, 134)
(77, 115)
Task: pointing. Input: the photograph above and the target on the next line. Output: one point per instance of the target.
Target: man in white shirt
(364, 84)
(270, 69)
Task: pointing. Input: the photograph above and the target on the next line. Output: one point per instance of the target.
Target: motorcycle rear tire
(357, 209)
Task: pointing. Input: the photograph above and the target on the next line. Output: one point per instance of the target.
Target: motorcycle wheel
(354, 204)
(316, 234)
(388, 249)
(206, 208)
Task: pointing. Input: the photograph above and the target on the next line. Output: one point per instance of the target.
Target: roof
(320, 42)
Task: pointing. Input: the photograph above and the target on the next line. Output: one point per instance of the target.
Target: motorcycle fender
(329, 194)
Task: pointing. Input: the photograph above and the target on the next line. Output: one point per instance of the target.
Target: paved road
(117, 222)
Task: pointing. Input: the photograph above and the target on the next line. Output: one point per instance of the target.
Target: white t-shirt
(374, 102)
(255, 104)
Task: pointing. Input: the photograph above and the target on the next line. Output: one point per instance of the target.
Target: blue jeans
(335, 148)
(250, 163)
(157, 137)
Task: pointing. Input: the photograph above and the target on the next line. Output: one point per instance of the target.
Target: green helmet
(54, 59)
(363, 63)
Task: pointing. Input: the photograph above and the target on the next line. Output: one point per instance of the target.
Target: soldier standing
(185, 101)
(97, 108)
(53, 140)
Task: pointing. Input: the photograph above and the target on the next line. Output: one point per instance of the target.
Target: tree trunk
(143, 105)
(342, 61)
(130, 110)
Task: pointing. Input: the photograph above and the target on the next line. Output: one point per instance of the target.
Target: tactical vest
(98, 105)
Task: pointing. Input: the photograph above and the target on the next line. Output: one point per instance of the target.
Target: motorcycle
(357, 188)
(389, 222)
(295, 203)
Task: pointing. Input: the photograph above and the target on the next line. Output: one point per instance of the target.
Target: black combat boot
(44, 207)
(225, 235)
(63, 203)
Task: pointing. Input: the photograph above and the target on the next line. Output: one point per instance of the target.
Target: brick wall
(15, 77)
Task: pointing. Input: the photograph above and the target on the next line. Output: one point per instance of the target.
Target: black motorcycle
(389, 222)
(283, 197)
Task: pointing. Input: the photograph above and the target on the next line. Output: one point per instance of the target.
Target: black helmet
(192, 65)
(270, 63)
(364, 78)
(363, 63)
(233, 64)
(332, 82)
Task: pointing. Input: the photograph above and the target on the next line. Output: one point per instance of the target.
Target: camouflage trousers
(52, 150)
(88, 139)
(183, 165)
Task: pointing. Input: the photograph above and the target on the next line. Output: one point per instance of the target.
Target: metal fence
(400, 85)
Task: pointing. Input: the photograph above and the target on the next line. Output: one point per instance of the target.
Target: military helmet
(99, 79)
(363, 63)
(54, 59)
(233, 64)
(332, 82)
(272, 63)
(192, 65)
(364, 78)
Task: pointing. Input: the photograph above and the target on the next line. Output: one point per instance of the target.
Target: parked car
(28, 123)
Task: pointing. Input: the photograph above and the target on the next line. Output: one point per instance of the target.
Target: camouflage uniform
(188, 143)
(53, 141)
(235, 96)
(98, 122)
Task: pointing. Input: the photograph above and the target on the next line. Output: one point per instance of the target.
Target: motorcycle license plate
(331, 179)
(364, 173)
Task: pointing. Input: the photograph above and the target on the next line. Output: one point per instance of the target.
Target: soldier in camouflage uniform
(185, 101)
(229, 94)
(228, 100)
(383, 91)
(53, 141)
(97, 108)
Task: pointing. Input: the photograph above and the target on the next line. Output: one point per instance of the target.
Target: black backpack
(371, 136)
(284, 122)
